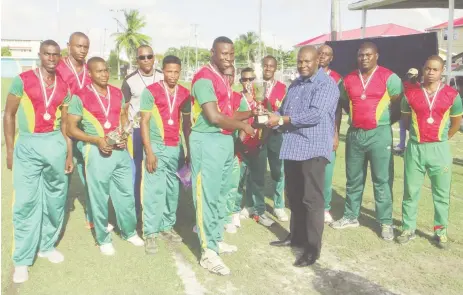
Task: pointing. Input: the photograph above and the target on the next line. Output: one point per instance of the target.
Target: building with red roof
(441, 30)
(386, 30)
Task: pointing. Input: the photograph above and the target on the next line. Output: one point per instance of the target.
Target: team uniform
(160, 189)
(329, 170)
(241, 170)
(105, 175)
(428, 151)
(274, 96)
(369, 139)
(39, 182)
(211, 157)
(76, 81)
(132, 88)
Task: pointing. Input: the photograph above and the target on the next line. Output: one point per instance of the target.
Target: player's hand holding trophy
(259, 96)
(119, 135)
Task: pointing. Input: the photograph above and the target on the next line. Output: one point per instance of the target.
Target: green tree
(6, 51)
(246, 47)
(131, 37)
(64, 52)
(112, 62)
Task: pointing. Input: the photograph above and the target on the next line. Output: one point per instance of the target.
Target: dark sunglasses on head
(247, 79)
(143, 57)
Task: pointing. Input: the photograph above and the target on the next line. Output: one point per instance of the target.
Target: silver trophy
(120, 134)
(259, 94)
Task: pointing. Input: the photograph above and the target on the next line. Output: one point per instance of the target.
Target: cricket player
(161, 104)
(211, 145)
(99, 109)
(132, 87)
(369, 91)
(41, 158)
(73, 70)
(433, 113)
(326, 57)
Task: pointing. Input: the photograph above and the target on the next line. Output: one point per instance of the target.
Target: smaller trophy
(136, 120)
(120, 134)
(262, 113)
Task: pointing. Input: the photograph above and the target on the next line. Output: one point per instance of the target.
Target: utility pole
(117, 47)
(196, 46)
(260, 31)
(104, 42)
(334, 19)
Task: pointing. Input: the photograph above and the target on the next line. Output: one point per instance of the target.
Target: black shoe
(285, 243)
(305, 260)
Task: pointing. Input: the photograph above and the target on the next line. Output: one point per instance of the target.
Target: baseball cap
(412, 72)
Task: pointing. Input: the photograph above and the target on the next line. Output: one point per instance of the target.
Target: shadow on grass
(329, 282)
(458, 162)
(367, 218)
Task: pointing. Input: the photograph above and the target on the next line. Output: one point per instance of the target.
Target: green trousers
(435, 159)
(239, 179)
(160, 190)
(110, 176)
(328, 190)
(40, 193)
(79, 166)
(270, 151)
(211, 165)
(374, 146)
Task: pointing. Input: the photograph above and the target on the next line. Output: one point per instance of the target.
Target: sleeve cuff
(457, 115)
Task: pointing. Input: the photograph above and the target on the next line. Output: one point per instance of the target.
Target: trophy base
(262, 119)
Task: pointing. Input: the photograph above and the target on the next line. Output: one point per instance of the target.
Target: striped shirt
(311, 104)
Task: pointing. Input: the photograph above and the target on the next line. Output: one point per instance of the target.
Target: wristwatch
(281, 121)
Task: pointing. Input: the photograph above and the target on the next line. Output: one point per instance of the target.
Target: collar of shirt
(311, 79)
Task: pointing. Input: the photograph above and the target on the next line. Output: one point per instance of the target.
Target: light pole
(117, 46)
(196, 46)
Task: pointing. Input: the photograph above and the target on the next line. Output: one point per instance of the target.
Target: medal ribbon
(365, 84)
(47, 99)
(105, 110)
(169, 101)
(431, 103)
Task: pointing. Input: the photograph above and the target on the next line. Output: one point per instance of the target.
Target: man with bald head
(307, 121)
(325, 53)
(132, 87)
(369, 92)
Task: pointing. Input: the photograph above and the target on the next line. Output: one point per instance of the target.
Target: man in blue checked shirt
(307, 120)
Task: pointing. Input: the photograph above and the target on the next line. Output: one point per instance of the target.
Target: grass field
(353, 261)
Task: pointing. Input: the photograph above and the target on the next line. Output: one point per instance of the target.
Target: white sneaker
(110, 227)
(54, 256)
(21, 274)
(265, 220)
(280, 214)
(246, 212)
(230, 228)
(107, 249)
(225, 248)
(212, 262)
(328, 218)
(236, 220)
(136, 241)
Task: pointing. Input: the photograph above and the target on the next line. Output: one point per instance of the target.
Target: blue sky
(285, 22)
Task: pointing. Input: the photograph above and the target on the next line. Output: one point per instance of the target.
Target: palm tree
(246, 47)
(131, 37)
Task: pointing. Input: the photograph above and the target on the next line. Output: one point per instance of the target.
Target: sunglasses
(144, 57)
(247, 79)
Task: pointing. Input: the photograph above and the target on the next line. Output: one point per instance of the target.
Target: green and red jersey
(335, 76)
(86, 105)
(32, 108)
(155, 101)
(65, 70)
(374, 110)
(207, 86)
(275, 97)
(448, 104)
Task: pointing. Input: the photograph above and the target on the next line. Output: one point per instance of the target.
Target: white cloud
(128, 4)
